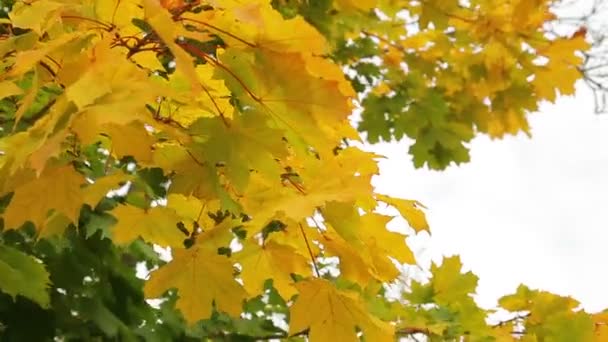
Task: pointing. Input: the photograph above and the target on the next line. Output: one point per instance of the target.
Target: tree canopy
(222, 131)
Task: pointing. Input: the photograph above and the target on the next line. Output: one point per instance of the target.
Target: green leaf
(449, 284)
(21, 274)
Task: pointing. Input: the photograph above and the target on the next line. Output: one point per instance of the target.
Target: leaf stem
(312, 258)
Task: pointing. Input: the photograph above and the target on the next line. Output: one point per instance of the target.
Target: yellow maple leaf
(52, 147)
(103, 77)
(168, 31)
(382, 242)
(123, 137)
(246, 24)
(546, 77)
(215, 98)
(530, 14)
(280, 86)
(601, 326)
(201, 278)
(271, 261)
(354, 265)
(563, 50)
(57, 188)
(157, 225)
(27, 59)
(262, 200)
(219, 236)
(93, 193)
(367, 235)
(28, 99)
(511, 120)
(561, 71)
(188, 207)
(37, 15)
(191, 177)
(9, 88)
(119, 13)
(333, 315)
(147, 59)
(292, 236)
(409, 210)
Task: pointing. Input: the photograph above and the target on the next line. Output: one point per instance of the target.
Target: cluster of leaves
(441, 71)
(220, 129)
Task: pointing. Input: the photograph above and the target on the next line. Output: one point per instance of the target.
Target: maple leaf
(449, 284)
(9, 88)
(355, 266)
(23, 275)
(332, 314)
(271, 261)
(202, 279)
(409, 210)
(163, 25)
(240, 147)
(57, 188)
(550, 316)
(93, 193)
(257, 24)
(122, 137)
(36, 16)
(25, 60)
(103, 79)
(156, 224)
(369, 236)
(297, 103)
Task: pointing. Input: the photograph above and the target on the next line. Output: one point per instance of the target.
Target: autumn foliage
(221, 129)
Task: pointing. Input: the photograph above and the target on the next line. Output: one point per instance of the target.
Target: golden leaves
(238, 119)
(552, 317)
(492, 68)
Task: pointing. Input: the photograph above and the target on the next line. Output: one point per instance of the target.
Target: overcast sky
(523, 210)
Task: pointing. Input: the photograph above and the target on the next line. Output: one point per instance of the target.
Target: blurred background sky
(524, 210)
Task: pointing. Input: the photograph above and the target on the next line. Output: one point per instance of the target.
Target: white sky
(523, 210)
